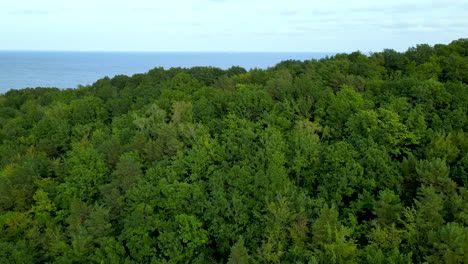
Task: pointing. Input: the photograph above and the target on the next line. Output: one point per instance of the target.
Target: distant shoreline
(64, 69)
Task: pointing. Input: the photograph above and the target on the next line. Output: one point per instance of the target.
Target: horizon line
(167, 51)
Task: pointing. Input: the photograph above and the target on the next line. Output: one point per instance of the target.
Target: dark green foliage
(16, 253)
(347, 159)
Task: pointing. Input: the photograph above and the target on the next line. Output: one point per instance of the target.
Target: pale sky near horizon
(230, 25)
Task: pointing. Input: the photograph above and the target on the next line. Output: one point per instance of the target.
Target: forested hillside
(348, 159)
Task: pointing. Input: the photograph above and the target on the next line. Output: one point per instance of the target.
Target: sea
(30, 69)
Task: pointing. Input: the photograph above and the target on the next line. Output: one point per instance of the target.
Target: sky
(230, 25)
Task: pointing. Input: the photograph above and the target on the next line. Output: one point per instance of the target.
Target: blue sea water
(29, 69)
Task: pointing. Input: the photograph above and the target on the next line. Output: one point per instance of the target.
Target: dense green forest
(349, 159)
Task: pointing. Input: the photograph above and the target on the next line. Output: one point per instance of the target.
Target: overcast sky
(229, 25)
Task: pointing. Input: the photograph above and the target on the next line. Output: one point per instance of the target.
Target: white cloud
(229, 25)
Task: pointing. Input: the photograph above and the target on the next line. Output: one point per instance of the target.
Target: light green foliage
(152, 119)
(86, 109)
(249, 102)
(435, 173)
(139, 225)
(191, 232)
(343, 105)
(341, 173)
(445, 146)
(280, 85)
(272, 155)
(17, 180)
(51, 136)
(386, 237)
(278, 218)
(306, 148)
(375, 255)
(16, 253)
(427, 215)
(388, 207)
(239, 254)
(85, 171)
(450, 244)
(110, 251)
(379, 169)
(43, 207)
(429, 209)
(14, 224)
(178, 88)
(88, 226)
(330, 238)
(384, 127)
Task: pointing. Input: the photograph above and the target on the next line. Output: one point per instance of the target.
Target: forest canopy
(352, 158)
